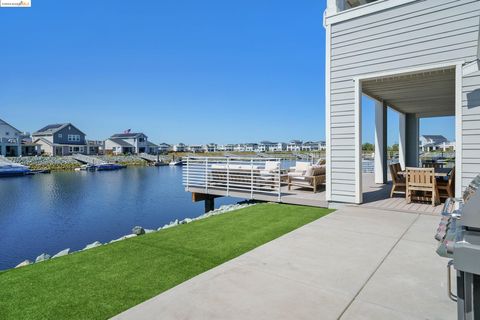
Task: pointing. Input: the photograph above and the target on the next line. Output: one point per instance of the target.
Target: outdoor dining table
(439, 172)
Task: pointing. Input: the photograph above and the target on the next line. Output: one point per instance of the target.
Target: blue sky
(180, 71)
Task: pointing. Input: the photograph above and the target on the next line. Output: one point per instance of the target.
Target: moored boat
(13, 170)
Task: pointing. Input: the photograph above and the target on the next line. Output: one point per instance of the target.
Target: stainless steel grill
(459, 239)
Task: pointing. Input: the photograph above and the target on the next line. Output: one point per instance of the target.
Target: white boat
(13, 170)
(175, 163)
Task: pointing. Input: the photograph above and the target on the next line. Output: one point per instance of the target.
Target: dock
(88, 159)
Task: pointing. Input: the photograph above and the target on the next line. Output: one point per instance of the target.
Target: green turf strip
(104, 281)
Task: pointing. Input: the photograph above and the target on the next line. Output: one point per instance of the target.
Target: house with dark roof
(60, 139)
(130, 143)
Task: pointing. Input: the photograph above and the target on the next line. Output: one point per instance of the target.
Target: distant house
(195, 148)
(164, 147)
(264, 146)
(60, 139)
(250, 147)
(313, 146)
(10, 141)
(430, 143)
(29, 148)
(181, 147)
(239, 147)
(294, 145)
(95, 147)
(210, 147)
(129, 143)
(226, 147)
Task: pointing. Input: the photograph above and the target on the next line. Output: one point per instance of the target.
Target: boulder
(62, 253)
(185, 221)
(92, 245)
(42, 257)
(23, 263)
(138, 230)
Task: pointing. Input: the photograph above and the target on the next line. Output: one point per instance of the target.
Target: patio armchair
(271, 167)
(299, 169)
(446, 187)
(312, 177)
(398, 181)
(421, 185)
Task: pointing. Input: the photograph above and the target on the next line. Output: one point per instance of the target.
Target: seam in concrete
(378, 267)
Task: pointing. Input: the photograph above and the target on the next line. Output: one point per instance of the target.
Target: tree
(368, 147)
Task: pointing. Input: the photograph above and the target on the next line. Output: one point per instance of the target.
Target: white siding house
(10, 140)
(418, 57)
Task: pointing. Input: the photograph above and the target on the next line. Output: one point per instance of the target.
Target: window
(60, 135)
(7, 133)
(74, 137)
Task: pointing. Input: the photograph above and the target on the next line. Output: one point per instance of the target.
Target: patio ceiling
(426, 94)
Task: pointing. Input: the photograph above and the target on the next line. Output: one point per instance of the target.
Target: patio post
(401, 139)
(380, 142)
(412, 137)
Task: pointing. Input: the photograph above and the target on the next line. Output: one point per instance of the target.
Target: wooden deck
(378, 196)
(374, 196)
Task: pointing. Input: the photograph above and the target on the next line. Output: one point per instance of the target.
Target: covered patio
(414, 94)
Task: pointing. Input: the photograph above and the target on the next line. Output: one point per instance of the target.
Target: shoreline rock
(42, 257)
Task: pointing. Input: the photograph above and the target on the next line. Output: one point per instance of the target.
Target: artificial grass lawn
(104, 281)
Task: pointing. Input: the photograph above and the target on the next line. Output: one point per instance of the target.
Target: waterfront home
(435, 142)
(164, 147)
(180, 147)
(195, 148)
(269, 146)
(210, 147)
(294, 145)
(419, 58)
(250, 147)
(10, 140)
(313, 146)
(29, 148)
(95, 147)
(129, 142)
(60, 139)
(239, 147)
(226, 147)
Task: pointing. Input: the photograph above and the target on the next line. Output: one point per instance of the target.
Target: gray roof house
(60, 139)
(419, 58)
(130, 143)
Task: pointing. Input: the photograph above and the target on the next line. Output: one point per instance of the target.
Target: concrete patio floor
(356, 263)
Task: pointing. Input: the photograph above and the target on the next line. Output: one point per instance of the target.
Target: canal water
(51, 212)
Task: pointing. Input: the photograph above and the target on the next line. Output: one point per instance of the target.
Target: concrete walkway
(356, 263)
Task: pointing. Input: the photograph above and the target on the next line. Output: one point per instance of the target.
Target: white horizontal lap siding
(471, 127)
(417, 34)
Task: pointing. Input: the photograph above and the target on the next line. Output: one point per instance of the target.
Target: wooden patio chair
(398, 182)
(446, 188)
(421, 185)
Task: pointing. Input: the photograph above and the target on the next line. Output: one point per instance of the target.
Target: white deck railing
(233, 174)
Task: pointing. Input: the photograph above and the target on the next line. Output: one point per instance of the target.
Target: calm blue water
(51, 212)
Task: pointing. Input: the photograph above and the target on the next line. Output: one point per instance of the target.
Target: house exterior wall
(61, 136)
(471, 127)
(416, 34)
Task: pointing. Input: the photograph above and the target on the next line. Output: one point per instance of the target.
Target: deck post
(380, 142)
(209, 203)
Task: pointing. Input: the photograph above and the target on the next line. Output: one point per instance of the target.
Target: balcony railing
(225, 175)
(9, 140)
